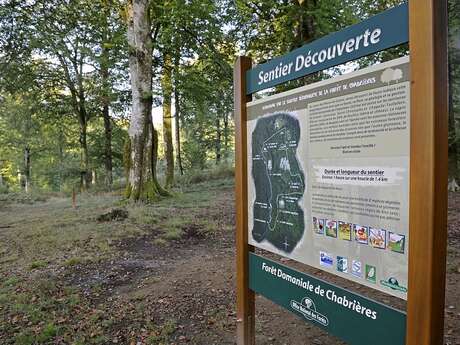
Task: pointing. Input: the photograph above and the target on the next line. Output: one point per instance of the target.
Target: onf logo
(308, 309)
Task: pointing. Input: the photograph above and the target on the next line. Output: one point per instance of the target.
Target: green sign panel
(385, 30)
(353, 318)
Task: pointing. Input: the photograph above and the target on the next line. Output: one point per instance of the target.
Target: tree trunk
(27, 169)
(140, 185)
(218, 140)
(93, 177)
(177, 115)
(108, 146)
(106, 102)
(166, 85)
(85, 177)
(20, 179)
(61, 156)
(226, 134)
(155, 188)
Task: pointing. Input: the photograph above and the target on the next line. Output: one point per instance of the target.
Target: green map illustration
(279, 182)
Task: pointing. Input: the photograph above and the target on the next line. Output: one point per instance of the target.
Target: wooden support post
(428, 172)
(245, 297)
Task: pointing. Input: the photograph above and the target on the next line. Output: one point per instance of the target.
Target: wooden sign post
(245, 297)
(428, 179)
(424, 25)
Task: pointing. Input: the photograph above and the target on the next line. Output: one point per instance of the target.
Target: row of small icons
(356, 269)
(377, 238)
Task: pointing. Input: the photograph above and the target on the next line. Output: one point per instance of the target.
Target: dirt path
(179, 291)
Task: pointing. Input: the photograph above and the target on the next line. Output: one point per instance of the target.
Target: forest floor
(161, 274)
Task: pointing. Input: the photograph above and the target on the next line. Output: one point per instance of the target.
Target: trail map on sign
(279, 182)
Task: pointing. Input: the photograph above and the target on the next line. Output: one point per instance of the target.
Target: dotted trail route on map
(279, 182)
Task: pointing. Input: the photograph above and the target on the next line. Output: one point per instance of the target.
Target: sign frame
(428, 180)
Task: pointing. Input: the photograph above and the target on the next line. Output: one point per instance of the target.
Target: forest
(67, 70)
(117, 161)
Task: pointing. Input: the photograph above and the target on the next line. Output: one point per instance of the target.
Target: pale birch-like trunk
(143, 143)
(140, 68)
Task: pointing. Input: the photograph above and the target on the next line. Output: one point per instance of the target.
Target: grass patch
(159, 241)
(48, 333)
(208, 226)
(12, 281)
(38, 264)
(163, 333)
(173, 234)
(74, 261)
(26, 337)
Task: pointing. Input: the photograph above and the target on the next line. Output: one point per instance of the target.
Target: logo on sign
(308, 309)
(326, 259)
(393, 284)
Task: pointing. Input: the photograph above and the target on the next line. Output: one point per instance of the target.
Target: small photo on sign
(396, 242)
(361, 234)
(357, 268)
(371, 274)
(321, 223)
(377, 238)
(317, 226)
(326, 259)
(331, 228)
(345, 231)
(342, 264)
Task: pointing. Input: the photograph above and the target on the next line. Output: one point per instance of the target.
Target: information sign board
(328, 181)
(323, 176)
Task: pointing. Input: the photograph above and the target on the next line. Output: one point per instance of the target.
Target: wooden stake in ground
(74, 199)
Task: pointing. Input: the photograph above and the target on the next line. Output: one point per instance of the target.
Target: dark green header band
(353, 318)
(383, 31)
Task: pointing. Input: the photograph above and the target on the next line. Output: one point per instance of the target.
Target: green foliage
(194, 154)
(52, 90)
(222, 171)
(48, 332)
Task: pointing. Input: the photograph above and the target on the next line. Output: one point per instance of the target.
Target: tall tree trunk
(218, 140)
(166, 84)
(140, 67)
(106, 100)
(156, 187)
(27, 169)
(108, 146)
(74, 80)
(141, 185)
(61, 156)
(85, 176)
(226, 134)
(177, 114)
